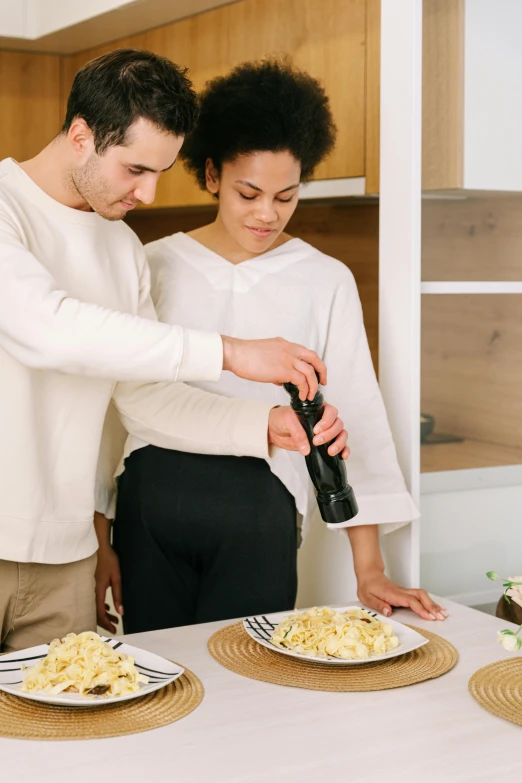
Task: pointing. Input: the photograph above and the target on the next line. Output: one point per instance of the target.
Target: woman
(203, 538)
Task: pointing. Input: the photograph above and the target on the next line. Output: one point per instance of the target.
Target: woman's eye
(135, 173)
(285, 200)
(247, 198)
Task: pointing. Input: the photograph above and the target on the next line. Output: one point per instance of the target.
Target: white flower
(509, 640)
(515, 593)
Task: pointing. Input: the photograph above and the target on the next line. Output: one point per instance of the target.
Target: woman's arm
(373, 469)
(374, 589)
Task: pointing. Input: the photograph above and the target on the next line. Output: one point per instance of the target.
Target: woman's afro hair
(261, 106)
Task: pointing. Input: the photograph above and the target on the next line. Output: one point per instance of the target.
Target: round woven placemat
(237, 651)
(498, 688)
(25, 719)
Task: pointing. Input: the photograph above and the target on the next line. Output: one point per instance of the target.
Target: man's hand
(107, 575)
(285, 431)
(274, 361)
(378, 592)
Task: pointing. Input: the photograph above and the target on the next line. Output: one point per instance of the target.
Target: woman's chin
(258, 244)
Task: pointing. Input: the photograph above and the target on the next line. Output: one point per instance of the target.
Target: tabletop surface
(245, 730)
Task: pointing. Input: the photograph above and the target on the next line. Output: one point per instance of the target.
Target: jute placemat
(236, 650)
(25, 719)
(498, 688)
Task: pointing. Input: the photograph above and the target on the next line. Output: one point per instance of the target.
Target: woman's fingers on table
(394, 596)
(429, 604)
(420, 602)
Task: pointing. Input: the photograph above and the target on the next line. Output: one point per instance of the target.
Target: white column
(399, 256)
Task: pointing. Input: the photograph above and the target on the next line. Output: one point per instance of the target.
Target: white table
(245, 730)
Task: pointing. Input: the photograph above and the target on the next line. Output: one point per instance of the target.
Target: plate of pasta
(85, 670)
(347, 635)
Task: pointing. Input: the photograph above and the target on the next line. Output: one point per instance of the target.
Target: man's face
(115, 181)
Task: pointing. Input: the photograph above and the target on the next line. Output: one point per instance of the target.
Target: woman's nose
(266, 212)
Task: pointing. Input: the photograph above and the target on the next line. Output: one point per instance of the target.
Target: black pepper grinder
(335, 497)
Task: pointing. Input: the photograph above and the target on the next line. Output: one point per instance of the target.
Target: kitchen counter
(245, 730)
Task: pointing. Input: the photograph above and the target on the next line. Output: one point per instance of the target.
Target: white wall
(493, 95)
(325, 568)
(466, 533)
(70, 26)
(36, 18)
(51, 15)
(13, 18)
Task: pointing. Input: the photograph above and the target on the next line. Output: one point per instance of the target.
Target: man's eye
(135, 173)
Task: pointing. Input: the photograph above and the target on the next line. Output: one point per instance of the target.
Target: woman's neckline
(272, 252)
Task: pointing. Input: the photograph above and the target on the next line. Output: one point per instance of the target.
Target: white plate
(262, 627)
(159, 671)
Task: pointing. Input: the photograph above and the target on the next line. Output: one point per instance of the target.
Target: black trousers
(202, 538)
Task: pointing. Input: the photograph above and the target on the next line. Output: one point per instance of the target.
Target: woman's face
(258, 194)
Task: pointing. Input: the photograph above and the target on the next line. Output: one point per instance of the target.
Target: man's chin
(114, 212)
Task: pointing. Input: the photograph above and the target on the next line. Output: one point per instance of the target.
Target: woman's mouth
(262, 233)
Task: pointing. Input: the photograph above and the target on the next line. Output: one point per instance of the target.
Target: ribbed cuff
(250, 434)
(202, 356)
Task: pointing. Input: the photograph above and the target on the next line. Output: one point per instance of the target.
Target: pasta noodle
(83, 664)
(322, 631)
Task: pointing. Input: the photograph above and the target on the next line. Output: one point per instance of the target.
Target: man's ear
(81, 138)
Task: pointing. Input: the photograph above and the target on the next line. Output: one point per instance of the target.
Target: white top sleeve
(44, 328)
(372, 468)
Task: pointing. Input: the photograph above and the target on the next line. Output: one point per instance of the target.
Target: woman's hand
(378, 592)
(108, 575)
(285, 431)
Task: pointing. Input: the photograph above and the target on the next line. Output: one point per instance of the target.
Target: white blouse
(298, 293)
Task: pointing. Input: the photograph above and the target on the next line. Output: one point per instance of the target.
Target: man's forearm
(181, 417)
(364, 540)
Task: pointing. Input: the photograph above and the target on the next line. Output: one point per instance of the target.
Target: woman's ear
(212, 177)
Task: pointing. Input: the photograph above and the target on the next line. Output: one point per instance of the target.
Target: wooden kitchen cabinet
(29, 102)
(472, 120)
(328, 39)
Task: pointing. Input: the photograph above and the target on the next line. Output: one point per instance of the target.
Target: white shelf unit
(471, 519)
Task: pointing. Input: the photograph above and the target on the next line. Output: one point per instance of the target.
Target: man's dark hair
(261, 106)
(114, 90)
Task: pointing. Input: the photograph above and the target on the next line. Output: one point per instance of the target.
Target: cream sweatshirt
(77, 329)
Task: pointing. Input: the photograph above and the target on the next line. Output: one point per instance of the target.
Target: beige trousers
(39, 602)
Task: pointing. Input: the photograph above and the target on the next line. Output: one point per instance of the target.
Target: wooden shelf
(467, 454)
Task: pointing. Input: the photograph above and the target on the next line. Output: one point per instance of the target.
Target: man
(78, 329)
